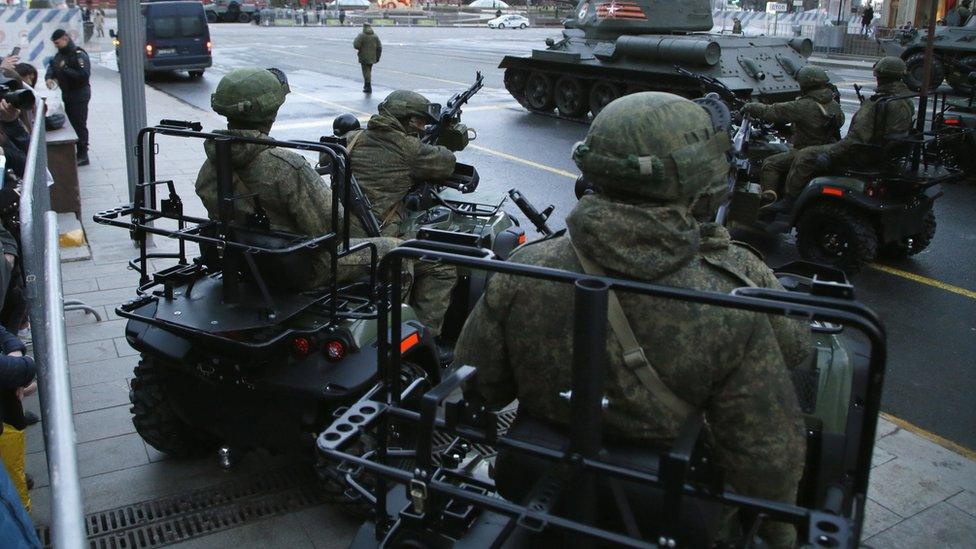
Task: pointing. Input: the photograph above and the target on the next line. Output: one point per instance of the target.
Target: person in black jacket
(70, 69)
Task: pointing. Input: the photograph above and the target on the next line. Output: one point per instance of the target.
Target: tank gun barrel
(657, 48)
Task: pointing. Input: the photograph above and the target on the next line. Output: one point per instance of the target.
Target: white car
(508, 22)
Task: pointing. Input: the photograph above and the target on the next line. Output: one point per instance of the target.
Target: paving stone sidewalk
(921, 493)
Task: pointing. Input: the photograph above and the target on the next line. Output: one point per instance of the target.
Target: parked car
(177, 37)
(509, 21)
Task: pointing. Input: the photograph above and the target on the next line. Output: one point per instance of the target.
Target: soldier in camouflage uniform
(369, 49)
(816, 118)
(291, 193)
(886, 113)
(388, 159)
(651, 154)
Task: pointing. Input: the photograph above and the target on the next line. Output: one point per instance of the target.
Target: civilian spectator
(100, 23)
(70, 69)
(866, 17)
(16, 529)
(16, 372)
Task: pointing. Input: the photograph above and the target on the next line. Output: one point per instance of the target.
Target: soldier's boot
(783, 206)
(83, 158)
(767, 197)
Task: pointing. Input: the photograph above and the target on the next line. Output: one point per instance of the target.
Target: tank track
(536, 90)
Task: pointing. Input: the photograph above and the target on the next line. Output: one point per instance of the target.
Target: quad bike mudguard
(895, 219)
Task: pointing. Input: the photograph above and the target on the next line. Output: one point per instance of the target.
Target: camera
(13, 91)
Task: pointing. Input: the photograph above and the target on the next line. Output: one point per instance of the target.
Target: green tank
(611, 48)
(954, 55)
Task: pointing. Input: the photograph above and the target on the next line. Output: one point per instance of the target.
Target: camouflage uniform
(369, 50)
(387, 162)
(961, 14)
(816, 118)
(293, 196)
(872, 122)
(723, 361)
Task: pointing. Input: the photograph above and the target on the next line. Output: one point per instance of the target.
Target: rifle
(857, 90)
(357, 203)
(451, 115)
(712, 84)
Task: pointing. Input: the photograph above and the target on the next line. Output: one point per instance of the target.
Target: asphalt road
(931, 321)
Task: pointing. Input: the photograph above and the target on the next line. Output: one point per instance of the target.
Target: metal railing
(42, 268)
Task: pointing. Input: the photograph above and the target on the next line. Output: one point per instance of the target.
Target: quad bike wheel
(833, 235)
(155, 418)
(916, 72)
(913, 244)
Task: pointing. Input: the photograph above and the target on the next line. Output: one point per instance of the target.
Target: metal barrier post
(42, 267)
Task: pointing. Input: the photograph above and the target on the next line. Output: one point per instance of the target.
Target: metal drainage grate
(202, 512)
(178, 518)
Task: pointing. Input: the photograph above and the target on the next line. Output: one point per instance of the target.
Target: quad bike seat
(516, 474)
(281, 271)
(883, 158)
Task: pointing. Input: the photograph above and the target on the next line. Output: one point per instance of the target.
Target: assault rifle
(710, 84)
(451, 114)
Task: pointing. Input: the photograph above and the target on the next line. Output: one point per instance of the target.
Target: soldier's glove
(457, 137)
(751, 109)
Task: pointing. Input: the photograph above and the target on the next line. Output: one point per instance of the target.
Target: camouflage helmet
(249, 95)
(965, 3)
(890, 68)
(403, 104)
(653, 145)
(812, 78)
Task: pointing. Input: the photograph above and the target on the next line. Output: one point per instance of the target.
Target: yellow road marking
(520, 160)
(941, 441)
(925, 280)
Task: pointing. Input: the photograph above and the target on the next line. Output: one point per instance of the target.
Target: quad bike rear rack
(439, 495)
(238, 243)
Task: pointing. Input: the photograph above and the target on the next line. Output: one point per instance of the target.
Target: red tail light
(334, 350)
(209, 46)
(521, 239)
(409, 342)
(301, 346)
(833, 191)
(952, 122)
(150, 50)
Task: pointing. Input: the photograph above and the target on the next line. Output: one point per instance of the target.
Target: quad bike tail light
(832, 191)
(150, 50)
(209, 46)
(301, 346)
(409, 342)
(952, 121)
(334, 350)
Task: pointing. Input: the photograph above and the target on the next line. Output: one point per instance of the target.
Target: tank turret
(611, 48)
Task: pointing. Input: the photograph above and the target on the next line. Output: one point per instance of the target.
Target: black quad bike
(233, 356)
(482, 478)
(955, 119)
(880, 206)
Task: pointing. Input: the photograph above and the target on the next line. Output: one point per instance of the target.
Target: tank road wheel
(916, 71)
(538, 92)
(913, 244)
(601, 95)
(156, 420)
(515, 83)
(958, 80)
(572, 99)
(836, 236)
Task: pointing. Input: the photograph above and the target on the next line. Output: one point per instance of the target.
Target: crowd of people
(69, 72)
